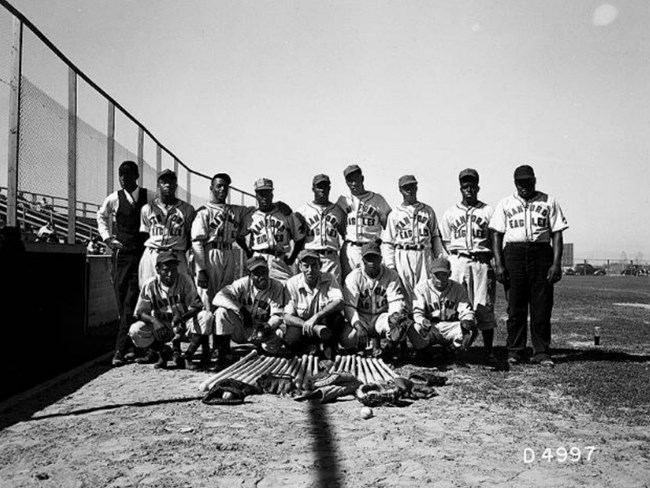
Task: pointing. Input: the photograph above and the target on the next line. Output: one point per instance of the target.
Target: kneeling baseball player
(313, 314)
(442, 312)
(169, 309)
(374, 305)
(252, 304)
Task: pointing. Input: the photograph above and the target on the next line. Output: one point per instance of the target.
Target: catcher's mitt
(398, 324)
(276, 384)
(237, 392)
(375, 395)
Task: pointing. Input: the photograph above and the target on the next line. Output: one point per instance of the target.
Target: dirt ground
(136, 426)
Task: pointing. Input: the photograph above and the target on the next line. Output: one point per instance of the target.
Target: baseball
(365, 412)
(227, 395)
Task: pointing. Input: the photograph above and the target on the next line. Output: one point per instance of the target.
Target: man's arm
(500, 271)
(555, 271)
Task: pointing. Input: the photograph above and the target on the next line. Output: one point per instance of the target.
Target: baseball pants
(278, 268)
(527, 265)
(450, 331)
(478, 279)
(220, 266)
(228, 322)
(413, 268)
(125, 286)
(376, 325)
(331, 263)
(142, 333)
(350, 258)
(147, 268)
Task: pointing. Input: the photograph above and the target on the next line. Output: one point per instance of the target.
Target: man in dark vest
(118, 222)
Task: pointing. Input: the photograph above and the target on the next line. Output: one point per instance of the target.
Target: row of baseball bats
(301, 368)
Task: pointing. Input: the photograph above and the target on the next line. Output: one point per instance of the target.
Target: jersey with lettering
(466, 228)
(163, 302)
(272, 231)
(304, 301)
(168, 226)
(368, 297)
(219, 222)
(528, 221)
(322, 223)
(448, 305)
(366, 216)
(262, 304)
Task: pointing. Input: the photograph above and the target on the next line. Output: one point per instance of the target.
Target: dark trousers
(527, 265)
(126, 288)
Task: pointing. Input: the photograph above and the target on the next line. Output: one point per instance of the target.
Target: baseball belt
(326, 251)
(410, 247)
(355, 243)
(226, 246)
(482, 257)
(272, 252)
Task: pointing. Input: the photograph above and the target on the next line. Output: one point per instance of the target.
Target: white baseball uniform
(323, 225)
(445, 309)
(366, 217)
(370, 301)
(411, 241)
(465, 231)
(270, 234)
(169, 228)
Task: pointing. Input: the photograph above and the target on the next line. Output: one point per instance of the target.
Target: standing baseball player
(118, 222)
(411, 238)
(372, 294)
(313, 315)
(366, 213)
(468, 239)
(442, 312)
(168, 222)
(169, 309)
(527, 248)
(270, 233)
(254, 303)
(216, 227)
(323, 222)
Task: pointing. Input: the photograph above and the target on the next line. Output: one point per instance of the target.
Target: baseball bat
(385, 378)
(301, 371)
(207, 384)
(337, 364)
(281, 366)
(386, 369)
(315, 368)
(246, 378)
(357, 369)
(370, 374)
(347, 368)
(293, 367)
(290, 366)
(308, 372)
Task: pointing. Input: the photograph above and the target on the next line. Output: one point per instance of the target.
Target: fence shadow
(328, 472)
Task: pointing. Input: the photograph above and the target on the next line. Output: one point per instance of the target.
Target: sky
(289, 89)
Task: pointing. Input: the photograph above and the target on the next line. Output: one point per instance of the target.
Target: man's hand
(246, 317)
(362, 335)
(554, 274)
(113, 243)
(162, 332)
(308, 325)
(501, 274)
(202, 279)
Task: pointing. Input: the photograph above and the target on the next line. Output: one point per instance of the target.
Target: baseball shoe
(149, 358)
(512, 360)
(545, 361)
(179, 360)
(491, 360)
(118, 359)
(165, 355)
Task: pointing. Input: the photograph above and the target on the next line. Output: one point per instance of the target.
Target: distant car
(569, 271)
(634, 270)
(588, 269)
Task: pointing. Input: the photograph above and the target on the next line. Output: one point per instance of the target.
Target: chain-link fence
(66, 138)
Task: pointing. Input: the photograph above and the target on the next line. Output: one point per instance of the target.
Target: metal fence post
(140, 155)
(14, 122)
(110, 148)
(72, 155)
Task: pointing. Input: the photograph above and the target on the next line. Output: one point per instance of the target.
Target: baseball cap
(308, 253)
(371, 248)
(468, 173)
(166, 257)
(524, 172)
(320, 179)
(167, 173)
(263, 184)
(353, 168)
(440, 264)
(256, 262)
(407, 180)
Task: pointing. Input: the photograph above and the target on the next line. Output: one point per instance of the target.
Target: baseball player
(442, 312)
(169, 309)
(118, 222)
(527, 249)
(270, 233)
(411, 239)
(323, 222)
(313, 314)
(468, 239)
(250, 304)
(216, 227)
(168, 222)
(366, 214)
(372, 293)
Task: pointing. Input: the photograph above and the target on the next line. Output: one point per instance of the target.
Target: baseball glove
(164, 333)
(327, 387)
(376, 395)
(236, 392)
(276, 384)
(398, 324)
